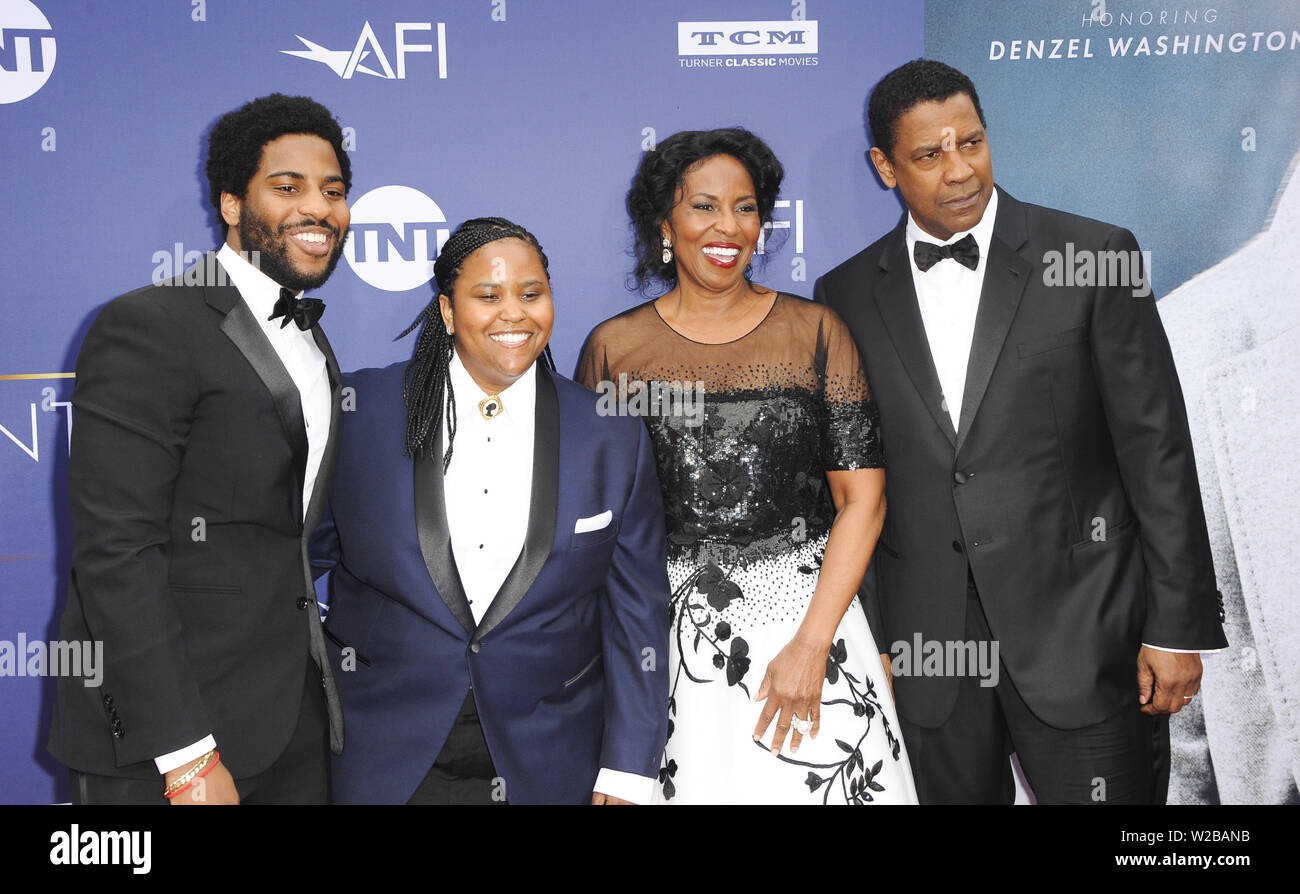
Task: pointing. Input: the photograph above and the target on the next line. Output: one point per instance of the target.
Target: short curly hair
(236, 142)
(661, 174)
(918, 81)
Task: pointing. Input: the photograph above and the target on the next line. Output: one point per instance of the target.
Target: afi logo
(27, 50)
(746, 38)
(395, 237)
(368, 52)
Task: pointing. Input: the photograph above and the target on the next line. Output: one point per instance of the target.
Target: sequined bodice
(743, 431)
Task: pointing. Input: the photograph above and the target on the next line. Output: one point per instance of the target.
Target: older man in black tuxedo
(1041, 484)
(206, 424)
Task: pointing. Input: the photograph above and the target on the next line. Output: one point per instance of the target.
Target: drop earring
(668, 251)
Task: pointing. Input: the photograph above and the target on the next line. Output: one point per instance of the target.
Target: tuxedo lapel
(541, 511)
(243, 329)
(319, 496)
(895, 295)
(325, 473)
(1006, 274)
(435, 537)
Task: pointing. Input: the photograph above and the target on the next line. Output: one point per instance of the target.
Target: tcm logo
(368, 52)
(746, 38)
(395, 237)
(27, 50)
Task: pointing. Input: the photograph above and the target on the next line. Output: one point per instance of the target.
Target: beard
(272, 245)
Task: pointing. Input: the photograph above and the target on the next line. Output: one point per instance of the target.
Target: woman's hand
(793, 689)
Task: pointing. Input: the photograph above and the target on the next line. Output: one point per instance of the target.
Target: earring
(668, 251)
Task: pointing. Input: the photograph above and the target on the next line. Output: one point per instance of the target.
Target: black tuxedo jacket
(1068, 486)
(189, 557)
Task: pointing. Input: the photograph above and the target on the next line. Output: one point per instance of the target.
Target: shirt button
(480, 546)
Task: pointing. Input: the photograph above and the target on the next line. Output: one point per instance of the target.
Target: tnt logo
(395, 238)
(48, 404)
(368, 52)
(27, 50)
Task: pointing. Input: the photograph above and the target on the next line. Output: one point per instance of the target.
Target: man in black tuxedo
(1043, 500)
(206, 422)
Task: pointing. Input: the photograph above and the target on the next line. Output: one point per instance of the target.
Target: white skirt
(729, 619)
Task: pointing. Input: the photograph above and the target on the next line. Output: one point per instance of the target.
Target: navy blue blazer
(568, 665)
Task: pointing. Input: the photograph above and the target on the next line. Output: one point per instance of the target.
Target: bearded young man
(206, 422)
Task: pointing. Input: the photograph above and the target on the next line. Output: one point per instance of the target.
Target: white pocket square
(595, 523)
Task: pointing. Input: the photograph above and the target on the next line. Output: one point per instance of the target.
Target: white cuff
(183, 756)
(1183, 651)
(626, 786)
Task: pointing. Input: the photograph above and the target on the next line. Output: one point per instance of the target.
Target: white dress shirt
(489, 484)
(488, 491)
(949, 296)
(305, 363)
(297, 350)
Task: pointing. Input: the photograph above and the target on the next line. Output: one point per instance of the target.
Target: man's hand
(217, 787)
(885, 659)
(1167, 680)
(598, 798)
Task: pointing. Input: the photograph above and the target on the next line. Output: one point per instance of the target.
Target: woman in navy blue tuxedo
(499, 600)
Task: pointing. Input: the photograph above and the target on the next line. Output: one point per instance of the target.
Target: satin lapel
(435, 538)
(541, 510)
(1005, 278)
(895, 295)
(325, 474)
(242, 329)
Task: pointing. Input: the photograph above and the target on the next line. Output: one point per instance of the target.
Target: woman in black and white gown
(769, 457)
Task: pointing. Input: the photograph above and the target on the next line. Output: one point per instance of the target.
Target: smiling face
(714, 225)
(940, 164)
(500, 312)
(295, 212)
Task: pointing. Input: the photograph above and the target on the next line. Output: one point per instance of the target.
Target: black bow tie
(303, 311)
(964, 251)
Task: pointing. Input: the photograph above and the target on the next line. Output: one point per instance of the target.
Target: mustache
(307, 222)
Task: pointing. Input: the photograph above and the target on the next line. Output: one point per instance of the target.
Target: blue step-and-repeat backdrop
(1178, 120)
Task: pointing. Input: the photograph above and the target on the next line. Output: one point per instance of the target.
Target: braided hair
(426, 381)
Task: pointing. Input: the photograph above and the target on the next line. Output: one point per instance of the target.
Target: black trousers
(1124, 759)
(463, 772)
(300, 775)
